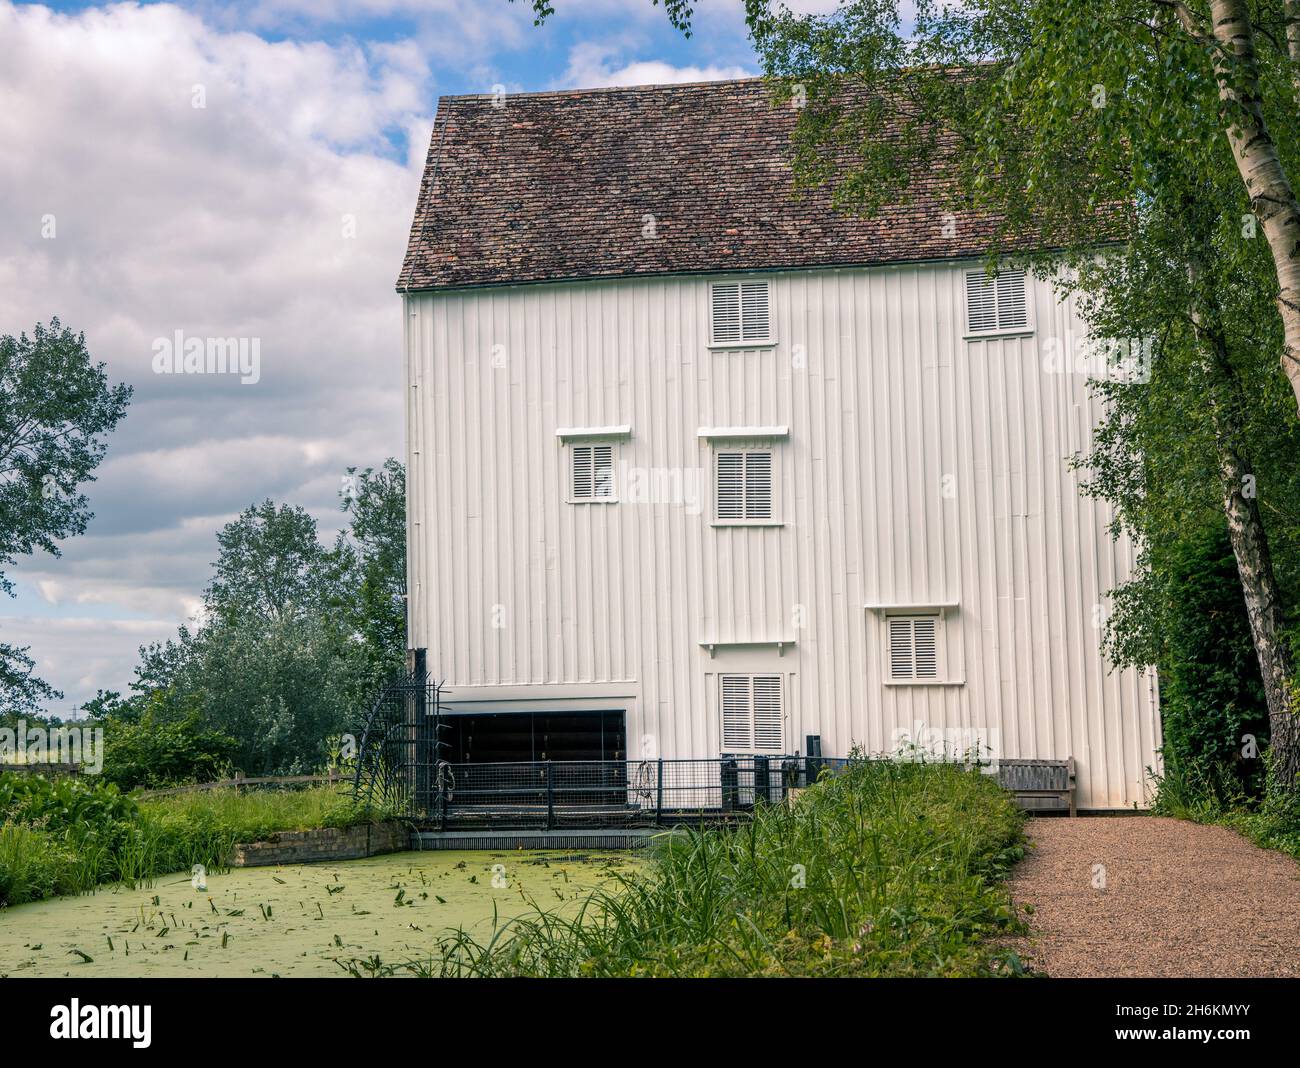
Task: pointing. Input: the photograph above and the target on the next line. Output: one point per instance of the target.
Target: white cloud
(598, 65)
(81, 655)
(227, 220)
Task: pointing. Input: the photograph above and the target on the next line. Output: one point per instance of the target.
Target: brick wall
(326, 843)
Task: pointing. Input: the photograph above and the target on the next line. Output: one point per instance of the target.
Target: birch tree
(1227, 33)
(1072, 126)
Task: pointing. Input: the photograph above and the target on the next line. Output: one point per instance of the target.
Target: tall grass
(64, 850)
(34, 865)
(890, 869)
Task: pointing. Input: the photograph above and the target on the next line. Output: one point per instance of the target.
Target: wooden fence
(332, 777)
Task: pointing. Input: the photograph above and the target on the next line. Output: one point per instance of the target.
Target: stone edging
(324, 843)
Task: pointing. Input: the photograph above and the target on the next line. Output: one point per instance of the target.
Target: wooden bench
(1037, 781)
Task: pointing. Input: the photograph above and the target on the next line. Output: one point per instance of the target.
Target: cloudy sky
(277, 210)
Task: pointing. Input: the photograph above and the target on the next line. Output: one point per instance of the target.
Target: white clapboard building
(699, 466)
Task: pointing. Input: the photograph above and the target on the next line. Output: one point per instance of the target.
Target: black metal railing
(402, 764)
(608, 793)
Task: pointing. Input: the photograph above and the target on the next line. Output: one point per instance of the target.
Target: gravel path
(1150, 896)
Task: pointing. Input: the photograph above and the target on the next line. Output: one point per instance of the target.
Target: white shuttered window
(752, 714)
(913, 648)
(744, 489)
(593, 472)
(996, 304)
(740, 313)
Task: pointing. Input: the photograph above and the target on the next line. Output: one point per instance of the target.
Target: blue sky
(232, 219)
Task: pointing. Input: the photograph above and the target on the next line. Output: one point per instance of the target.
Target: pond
(292, 921)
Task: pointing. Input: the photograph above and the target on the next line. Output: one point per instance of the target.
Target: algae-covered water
(301, 920)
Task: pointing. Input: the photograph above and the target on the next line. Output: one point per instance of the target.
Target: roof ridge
(714, 84)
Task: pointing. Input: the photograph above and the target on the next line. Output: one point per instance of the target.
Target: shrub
(154, 754)
(1210, 687)
(62, 804)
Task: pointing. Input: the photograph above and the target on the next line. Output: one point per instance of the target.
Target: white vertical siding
(921, 468)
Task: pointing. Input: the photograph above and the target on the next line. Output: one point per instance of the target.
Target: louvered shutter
(900, 648)
(767, 713)
(740, 312)
(1012, 310)
(913, 647)
(731, 485)
(584, 473)
(996, 303)
(925, 648)
(726, 313)
(981, 303)
(758, 485)
(755, 319)
(751, 714)
(736, 732)
(602, 470)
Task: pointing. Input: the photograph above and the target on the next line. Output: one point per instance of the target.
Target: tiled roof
(641, 181)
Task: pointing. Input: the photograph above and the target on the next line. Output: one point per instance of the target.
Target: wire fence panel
(401, 765)
(607, 793)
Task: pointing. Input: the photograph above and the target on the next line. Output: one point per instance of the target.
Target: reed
(71, 837)
(888, 869)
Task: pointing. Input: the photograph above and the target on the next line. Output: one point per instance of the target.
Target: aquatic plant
(888, 869)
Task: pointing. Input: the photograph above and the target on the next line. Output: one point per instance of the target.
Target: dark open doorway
(495, 737)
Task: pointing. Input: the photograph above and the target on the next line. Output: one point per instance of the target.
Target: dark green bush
(62, 804)
(154, 753)
(1211, 694)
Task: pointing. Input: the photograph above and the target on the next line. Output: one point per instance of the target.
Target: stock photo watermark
(181, 355)
(79, 746)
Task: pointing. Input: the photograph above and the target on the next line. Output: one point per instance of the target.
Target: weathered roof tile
(642, 181)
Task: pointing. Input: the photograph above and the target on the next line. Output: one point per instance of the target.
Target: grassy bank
(70, 836)
(1211, 794)
(891, 869)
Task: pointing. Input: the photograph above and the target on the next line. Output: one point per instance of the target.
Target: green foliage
(33, 865)
(151, 753)
(271, 567)
(62, 804)
(56, 407)
(900, 865)
(298, 637)
(72, 835)
(280, 687)
(1211, 693)
(370, 561)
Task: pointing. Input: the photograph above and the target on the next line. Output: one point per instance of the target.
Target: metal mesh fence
(605, 793)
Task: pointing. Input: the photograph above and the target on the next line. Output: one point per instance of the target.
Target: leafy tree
(56, 407)
(109, 704)
(295, 637)
(271, 567)
(1073, 126)
(20, 690)
(1212, 698)
(280, 687)
(370, 561)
